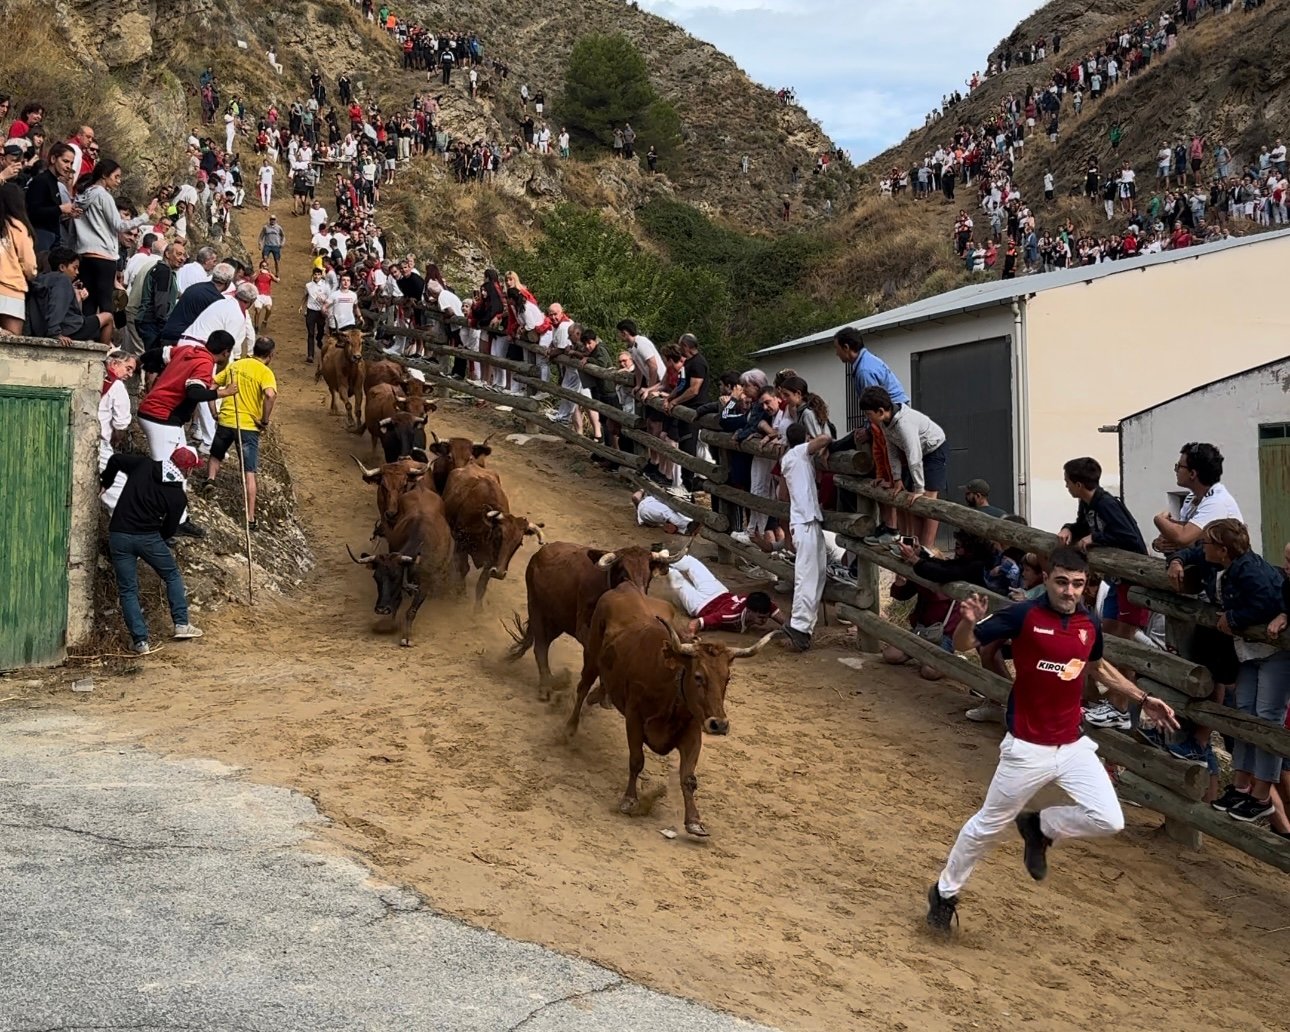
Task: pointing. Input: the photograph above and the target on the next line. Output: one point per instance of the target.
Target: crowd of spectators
(1201, 188)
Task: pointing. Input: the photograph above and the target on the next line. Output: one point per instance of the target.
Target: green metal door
(1274, 488)
(35, 521)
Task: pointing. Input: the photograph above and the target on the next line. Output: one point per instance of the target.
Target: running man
(1054, 638)
(714, 606)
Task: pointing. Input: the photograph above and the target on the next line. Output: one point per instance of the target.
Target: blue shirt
(869, 370)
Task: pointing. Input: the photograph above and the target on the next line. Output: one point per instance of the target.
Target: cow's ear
(480, 450)
(441, 448)
(419, 455)
(431, 407)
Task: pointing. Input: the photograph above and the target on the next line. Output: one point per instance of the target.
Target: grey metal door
(967, 389)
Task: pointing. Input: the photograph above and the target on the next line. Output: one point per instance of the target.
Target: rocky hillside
(1227, 78)
(132, 65)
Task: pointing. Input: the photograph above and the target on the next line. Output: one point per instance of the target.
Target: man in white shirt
(317, 217)
(316, 294)
(196, 271)
(142, 260)
(340, 306)
(653, 512)
(114, 416)
(232, 315)
(646, 360)
(806, 522)
(1199, 469)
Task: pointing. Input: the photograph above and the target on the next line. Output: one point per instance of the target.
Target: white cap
(417, 374)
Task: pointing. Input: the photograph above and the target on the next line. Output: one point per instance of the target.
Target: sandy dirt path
(831, 805)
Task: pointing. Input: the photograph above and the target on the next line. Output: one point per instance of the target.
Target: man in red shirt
(1054, 639)
(713, 606)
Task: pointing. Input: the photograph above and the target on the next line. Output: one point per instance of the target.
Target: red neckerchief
(109, 378)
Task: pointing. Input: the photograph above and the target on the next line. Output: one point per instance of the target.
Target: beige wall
(80, 370)
(1099, 351)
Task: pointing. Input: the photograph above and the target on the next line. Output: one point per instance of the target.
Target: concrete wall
(79, 368)
(1098, 351)
(1227, 414)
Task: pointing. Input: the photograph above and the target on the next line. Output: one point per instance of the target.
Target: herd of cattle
(440, 509)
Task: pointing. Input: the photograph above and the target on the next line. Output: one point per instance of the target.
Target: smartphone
(912, 542)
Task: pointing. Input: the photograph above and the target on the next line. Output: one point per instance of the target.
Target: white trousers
(1025, 768)
(203, 427)
(112, 495)
(162, 441)
(761, 483)
(809, 573)
(694, 584)
(496, 376)
(266, 193)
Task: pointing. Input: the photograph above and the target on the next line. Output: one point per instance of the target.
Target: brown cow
(483, 529)
(392, 480)
(342, 366)
(672, 692)
(396, 421)
(419, 559)
(455, 453)
(564, 582)
(385, 371)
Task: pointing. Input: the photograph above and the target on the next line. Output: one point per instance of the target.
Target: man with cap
(147, 514)
(976, 495)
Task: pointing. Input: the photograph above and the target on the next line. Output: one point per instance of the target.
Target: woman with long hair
(493, 317)
(17, 258)
(98, 232)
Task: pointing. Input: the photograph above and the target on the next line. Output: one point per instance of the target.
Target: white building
(1247, 416)
(1021, 373)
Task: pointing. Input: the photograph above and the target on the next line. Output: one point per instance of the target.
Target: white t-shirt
(450, 303)
(189, 274)
(646, 359)
(316, 294)
(799, 474)
(266, 174)
(114, 414)
(653, 512)
(340, 312)
(317, 217)
(139, 264)
(1216, 504)
(225, 314)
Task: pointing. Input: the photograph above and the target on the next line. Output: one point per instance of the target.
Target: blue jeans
(126, 551)
(1262, 690)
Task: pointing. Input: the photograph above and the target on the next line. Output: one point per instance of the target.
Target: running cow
(455, 453)
(395, 421)
(564, 582)
(484, 530)
(419, 559)
(342, 367)
(672, 692)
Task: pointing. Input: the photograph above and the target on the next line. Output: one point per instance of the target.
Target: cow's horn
(385, 422)
(401, 399)
(535, 530)
(490, 437)
(495, 515)
(607, 560)
(686, 648)
(752, 650)
(366, 561)
(366, 472)
(434, 437)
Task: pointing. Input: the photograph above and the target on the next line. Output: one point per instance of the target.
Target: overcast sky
(869, 70)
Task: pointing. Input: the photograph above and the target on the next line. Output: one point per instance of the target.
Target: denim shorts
(226, 437)
(934, 471)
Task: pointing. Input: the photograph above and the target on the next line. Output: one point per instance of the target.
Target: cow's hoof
(628, 806)
(606, 702)
(544, 693)
(406, 643)
(697, 829)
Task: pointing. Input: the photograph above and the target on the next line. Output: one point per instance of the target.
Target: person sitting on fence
(917, 453)
(931, 617)
(1250, 592)
(714, 607)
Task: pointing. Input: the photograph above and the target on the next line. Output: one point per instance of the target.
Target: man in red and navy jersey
(1055, 642)
(714, 606)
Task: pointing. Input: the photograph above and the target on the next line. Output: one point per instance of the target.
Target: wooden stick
(624, 419)
(1193, 610)
(246, 500)
(846, 463)
(712, 472)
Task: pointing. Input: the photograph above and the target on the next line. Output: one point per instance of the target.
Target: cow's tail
(521, 633)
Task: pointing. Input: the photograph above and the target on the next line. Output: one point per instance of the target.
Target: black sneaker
(190, 529)
(1230, 797)
(1037, 844)
(252, 527)
(798, 641)
(206, 487)
(1250, 809)
(941, 912)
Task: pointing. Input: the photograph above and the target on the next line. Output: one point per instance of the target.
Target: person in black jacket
(148, 513)
(45, 204)
(1103, 521)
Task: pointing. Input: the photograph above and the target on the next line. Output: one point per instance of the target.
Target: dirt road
(831, 805)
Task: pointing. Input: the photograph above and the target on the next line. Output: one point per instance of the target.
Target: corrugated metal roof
(987, 294)
(1205, 386)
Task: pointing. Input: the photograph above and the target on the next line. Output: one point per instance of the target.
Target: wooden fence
(1150, 777)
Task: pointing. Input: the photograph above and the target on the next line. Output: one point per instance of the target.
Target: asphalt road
(150, 894)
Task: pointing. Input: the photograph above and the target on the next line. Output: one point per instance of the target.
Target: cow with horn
(671, 692)
(564, 581)
(484, 529)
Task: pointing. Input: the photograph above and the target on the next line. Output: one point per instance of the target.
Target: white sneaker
(1108, 716)
(741, 536)
(986, 713)
(187, 630)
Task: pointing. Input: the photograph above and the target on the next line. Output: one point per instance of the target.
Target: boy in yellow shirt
(249, 411)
